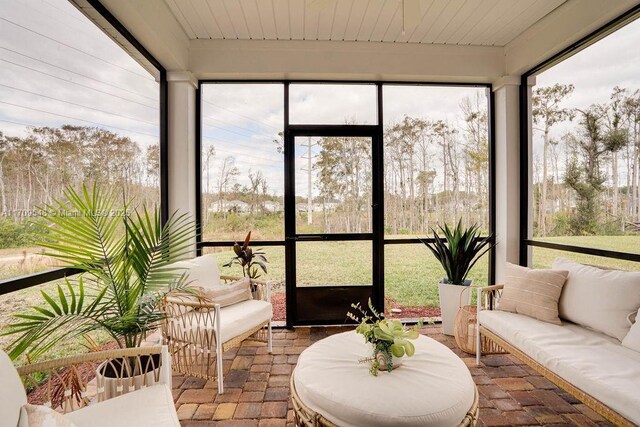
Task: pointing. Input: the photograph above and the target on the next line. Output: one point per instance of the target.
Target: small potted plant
(457, 252)
(389, 338)
(248, 259)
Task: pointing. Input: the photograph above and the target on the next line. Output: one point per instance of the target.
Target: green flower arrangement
(389, 337)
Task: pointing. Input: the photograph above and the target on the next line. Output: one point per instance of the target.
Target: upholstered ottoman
(330, 387)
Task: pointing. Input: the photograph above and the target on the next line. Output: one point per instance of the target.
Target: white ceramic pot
(451, 298)
(382, 361)
(111, 387)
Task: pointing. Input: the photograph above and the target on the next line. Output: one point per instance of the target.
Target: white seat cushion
(152, 406)
(235, 319)
(239, 318)
(12, 394)
(591, 361)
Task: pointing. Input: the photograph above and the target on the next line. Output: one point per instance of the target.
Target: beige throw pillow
(228, 294)
(534, 293)
(41, 416)
(599, 299)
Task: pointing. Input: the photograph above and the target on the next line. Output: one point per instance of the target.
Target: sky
(56, 67)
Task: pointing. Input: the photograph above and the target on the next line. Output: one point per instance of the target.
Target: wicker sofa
(594, 367)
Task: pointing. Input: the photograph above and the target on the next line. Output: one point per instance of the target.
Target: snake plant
(459, 250)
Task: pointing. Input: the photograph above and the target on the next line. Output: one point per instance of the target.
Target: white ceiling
(456, 22)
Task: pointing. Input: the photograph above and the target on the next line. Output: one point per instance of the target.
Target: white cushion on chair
(151, 406)
(235, 319)
(239, 318)
(12, 394)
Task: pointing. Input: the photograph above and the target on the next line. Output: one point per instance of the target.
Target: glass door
(332, 214)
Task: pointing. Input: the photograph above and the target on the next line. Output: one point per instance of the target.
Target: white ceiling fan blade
(412, 15)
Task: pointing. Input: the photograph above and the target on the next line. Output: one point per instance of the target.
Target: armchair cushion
(235, 320)
(229, 294)
(151, 406)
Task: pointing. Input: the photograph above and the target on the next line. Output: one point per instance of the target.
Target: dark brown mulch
(406, 312)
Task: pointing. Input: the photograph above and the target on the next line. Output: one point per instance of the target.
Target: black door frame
(376, 236)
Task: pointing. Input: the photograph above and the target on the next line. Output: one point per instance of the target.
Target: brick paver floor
(257, 387)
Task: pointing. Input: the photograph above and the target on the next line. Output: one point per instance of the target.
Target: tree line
(36, 168)
(436, 171)
(587, 181)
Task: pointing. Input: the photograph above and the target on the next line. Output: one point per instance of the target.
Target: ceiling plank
(325, 21)
(209, 22)
(267, 20)
(504, 16)
(190, 14)
(222, 18)
(296, 19)
(430, 16)
(370, 19)
(535, 13)
(466, 34)
(341, 18)
(390, 9)
(469, 11)
(252, 16)
(354, 23)
(281, 16)
(450, 10)
(181, 18)
(237, 18)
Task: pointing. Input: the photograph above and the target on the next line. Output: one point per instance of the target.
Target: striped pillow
(534, 293)
(232, 293)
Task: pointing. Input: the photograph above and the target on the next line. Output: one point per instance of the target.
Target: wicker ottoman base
(305, 417)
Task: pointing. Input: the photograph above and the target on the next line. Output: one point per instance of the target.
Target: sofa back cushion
(534, 293)
(229, 294)
(600, 299)
(12, 394)
(632, 339)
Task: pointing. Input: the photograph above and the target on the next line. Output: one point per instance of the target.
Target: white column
(507, 175)
(182, 142)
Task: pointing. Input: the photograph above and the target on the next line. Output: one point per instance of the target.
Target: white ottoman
(431, 388)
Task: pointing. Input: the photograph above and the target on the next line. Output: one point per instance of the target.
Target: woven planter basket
(465, 332)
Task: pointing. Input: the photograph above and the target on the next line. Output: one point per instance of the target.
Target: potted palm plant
(125, 258)
(457, 251)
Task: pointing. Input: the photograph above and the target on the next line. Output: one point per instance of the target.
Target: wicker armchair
(73, 389)
(198, 331)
